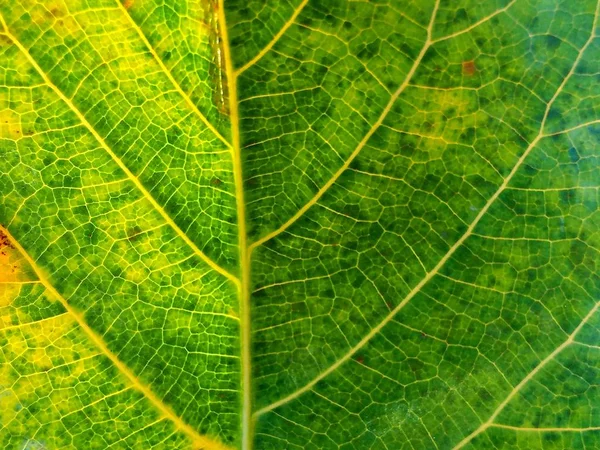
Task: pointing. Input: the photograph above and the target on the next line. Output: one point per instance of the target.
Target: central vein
(244, 255)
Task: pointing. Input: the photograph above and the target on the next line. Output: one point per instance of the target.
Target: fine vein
(167, 72)
(428, 43)
(484, 426)
(375, 330)
(273, 41)
(165, 410)
(120, 163)
(244, 254)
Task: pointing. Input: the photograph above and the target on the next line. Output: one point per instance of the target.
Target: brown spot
(360, 359)
(128, 4)
(133, 233)
(54, 12)
(4, 242)
(216, 182)
(468, 68)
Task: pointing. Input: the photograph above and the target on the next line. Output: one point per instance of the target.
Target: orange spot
(128, 4)
(468, 68)
(7, 260)
(13, 266)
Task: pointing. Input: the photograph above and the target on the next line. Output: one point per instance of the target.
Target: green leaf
(299, 224)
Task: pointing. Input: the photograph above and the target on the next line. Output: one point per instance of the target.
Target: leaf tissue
(299, 224)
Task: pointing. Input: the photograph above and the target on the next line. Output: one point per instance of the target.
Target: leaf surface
(296, 224)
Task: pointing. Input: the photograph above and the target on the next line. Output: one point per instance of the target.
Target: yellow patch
(8, 292)
(10, 125)
(13, 266)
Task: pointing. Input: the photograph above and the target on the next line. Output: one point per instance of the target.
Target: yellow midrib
(244, 255)
(198, 439)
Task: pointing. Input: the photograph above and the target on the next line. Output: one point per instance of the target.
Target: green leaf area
(299, 224)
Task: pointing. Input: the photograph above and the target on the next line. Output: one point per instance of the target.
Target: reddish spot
(390, 305)
(128, 4)
(4, 242)
(468, 68)
(360, 360)
(216, 182)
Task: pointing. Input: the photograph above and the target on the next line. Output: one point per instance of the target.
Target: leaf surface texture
(299, 224)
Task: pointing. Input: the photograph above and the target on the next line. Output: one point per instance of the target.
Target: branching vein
(165, 410)
(120, 163)
(375, 330)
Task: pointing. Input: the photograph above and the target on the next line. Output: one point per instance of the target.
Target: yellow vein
(276, 38)
(484, 426)
(576, 127)
(120, 163)
(476, 24)
(35, 323)
(374, 128)
(97, 340)
(375, 330)
(360, 145)
(167, 72)
(244, 285)
(545, 430)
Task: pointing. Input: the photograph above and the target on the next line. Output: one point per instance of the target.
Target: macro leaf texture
(299, 224)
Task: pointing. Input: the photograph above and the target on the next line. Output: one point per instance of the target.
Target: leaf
(299, 224)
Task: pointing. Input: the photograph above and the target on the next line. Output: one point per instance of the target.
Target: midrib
(244, 254)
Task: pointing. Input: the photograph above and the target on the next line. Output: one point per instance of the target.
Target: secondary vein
(375, 330)
(165, 410)
(273, 41)
(169, 75)
(115, 158)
